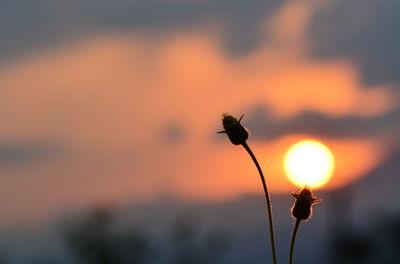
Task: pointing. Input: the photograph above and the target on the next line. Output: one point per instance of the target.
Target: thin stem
(296, 227)
(268, 200)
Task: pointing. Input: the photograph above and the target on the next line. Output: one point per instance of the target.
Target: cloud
(365, 31)
(107, 96)
(27, 25)
(112, 97)
(17, 153)
(265, 126)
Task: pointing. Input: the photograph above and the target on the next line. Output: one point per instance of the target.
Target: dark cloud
(26, 24)
(265, 126)
(366, 31)
(15, 153)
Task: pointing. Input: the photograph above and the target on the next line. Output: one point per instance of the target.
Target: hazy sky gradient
(118, 100)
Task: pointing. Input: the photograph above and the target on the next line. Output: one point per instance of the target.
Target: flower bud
(302, 207)
(236, 132)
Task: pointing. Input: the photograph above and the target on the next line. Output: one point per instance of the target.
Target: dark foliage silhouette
(96, 241)
(188, 246)
(378, 243)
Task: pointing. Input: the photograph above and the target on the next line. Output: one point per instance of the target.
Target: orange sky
(108, 97)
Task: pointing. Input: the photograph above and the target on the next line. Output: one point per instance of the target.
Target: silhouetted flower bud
(236, 132)
(304, 200)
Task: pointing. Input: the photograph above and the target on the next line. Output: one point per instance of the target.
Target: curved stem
(296, 227)
(268, 200)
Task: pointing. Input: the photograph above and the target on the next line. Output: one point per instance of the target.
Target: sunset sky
(121, 100)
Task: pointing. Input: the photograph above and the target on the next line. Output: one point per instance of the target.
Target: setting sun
(309, 162)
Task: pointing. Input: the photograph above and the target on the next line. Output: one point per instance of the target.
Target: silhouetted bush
(377, 243)
(95, 240)
(188, 246)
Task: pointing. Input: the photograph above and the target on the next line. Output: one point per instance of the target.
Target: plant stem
(296, 227)
(268, 200)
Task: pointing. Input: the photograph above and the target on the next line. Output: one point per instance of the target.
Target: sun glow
(309, 162)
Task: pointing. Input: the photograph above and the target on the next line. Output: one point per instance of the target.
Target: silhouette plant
(302, 210)
(238, 135)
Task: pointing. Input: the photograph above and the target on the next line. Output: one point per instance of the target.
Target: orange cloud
(108, 96)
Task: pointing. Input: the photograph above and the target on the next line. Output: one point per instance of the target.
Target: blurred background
(109, 112)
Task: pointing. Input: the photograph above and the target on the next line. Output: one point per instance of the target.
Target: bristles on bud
(302, 208)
